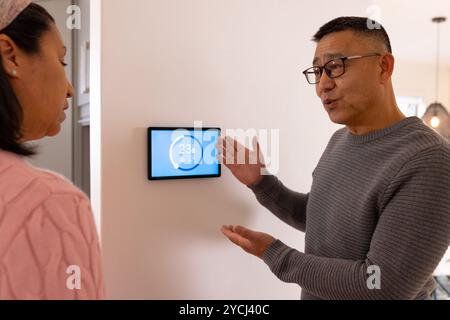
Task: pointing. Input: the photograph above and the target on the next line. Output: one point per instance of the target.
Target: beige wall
(419, 79)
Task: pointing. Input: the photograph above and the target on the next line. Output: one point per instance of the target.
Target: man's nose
(325, 84)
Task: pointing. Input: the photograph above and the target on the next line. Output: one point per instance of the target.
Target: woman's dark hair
(26, 31)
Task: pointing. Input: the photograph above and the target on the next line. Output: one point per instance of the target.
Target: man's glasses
(334, 68)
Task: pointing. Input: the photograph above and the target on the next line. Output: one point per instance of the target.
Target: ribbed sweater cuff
(265, 185)
(274, 253)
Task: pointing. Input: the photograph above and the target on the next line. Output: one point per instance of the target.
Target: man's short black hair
(360, 25)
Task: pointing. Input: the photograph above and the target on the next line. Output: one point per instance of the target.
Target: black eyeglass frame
(328, 72)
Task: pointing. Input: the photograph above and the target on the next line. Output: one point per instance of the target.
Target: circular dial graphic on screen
(186, 153)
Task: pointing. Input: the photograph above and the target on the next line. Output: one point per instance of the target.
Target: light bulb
(435, 122)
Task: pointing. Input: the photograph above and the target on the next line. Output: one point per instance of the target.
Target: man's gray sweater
(381, 199)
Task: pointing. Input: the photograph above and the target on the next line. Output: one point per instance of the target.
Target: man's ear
(8, 55)
(387, 63)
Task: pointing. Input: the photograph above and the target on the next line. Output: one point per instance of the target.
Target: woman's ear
(8, 55)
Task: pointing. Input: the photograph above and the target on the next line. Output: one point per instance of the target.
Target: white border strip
(96, 111)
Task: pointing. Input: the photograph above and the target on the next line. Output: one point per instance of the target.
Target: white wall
(229, 63)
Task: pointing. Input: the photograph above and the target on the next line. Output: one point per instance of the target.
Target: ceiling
(413, 35)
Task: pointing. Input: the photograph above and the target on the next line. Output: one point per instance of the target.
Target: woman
(49, 247)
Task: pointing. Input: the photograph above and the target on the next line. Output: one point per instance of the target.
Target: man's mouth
(329, 101)
(330, 104)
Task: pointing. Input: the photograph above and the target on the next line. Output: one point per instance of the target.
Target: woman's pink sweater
(49, 247)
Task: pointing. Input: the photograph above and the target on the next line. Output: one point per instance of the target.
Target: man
(377, 218)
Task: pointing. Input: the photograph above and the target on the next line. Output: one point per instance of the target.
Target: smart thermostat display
(180, 153)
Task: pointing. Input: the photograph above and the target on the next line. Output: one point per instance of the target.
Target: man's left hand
(255, 243)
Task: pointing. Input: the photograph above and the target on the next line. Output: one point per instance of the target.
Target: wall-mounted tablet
(182, 153)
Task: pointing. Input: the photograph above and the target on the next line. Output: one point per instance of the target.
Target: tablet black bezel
(149, 161)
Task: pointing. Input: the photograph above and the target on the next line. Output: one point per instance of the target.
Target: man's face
(352, 96)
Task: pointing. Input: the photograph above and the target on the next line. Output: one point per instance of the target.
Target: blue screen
(183, 153)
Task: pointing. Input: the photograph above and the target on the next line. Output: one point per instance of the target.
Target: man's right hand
(244, 164)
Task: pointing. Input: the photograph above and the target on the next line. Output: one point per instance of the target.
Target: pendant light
(436, 108)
